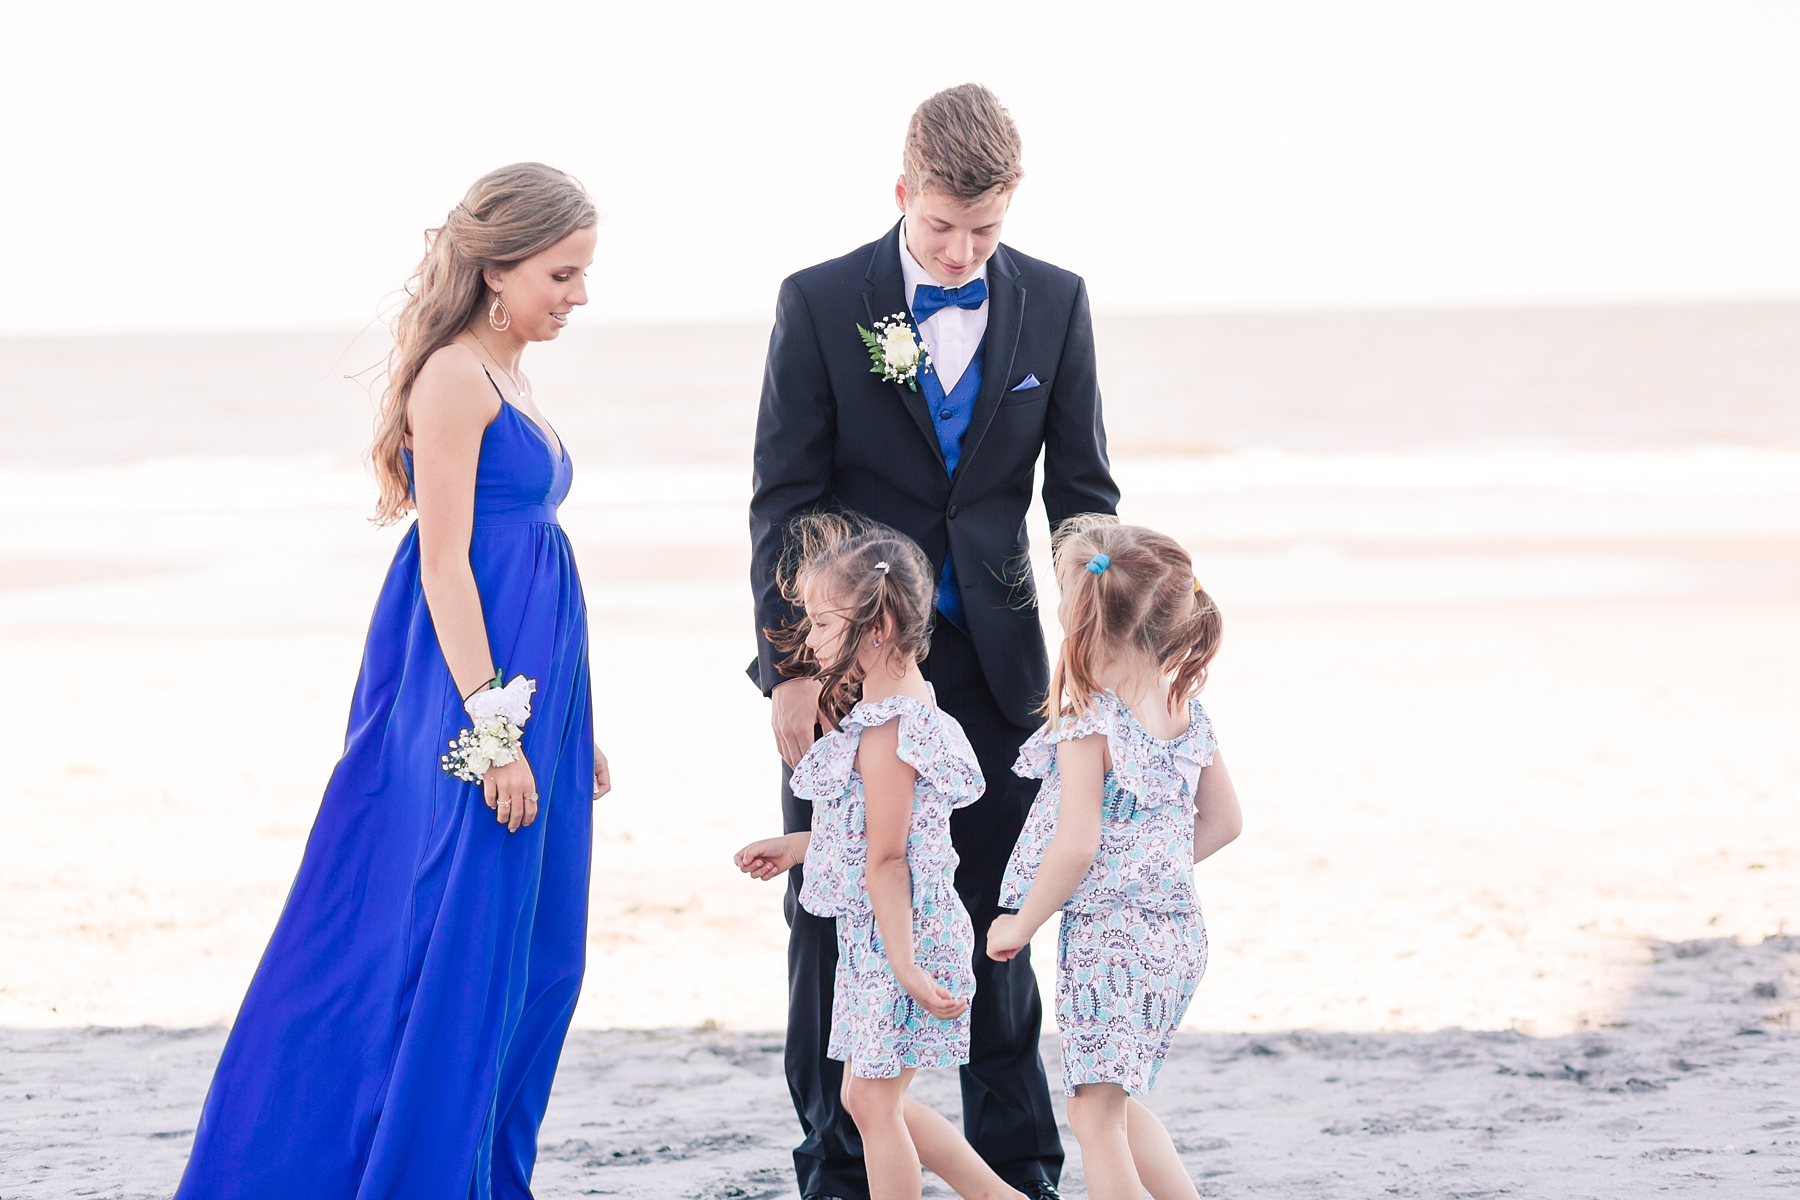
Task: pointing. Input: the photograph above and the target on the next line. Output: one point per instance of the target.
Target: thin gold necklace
(519, 391)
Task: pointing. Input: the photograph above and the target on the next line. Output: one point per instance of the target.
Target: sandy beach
(1688, 1093)
(1511, 674)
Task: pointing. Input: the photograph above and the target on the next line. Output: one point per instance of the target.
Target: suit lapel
(1006, 317)
(884, 294)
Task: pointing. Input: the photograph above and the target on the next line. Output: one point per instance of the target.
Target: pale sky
(211, 166)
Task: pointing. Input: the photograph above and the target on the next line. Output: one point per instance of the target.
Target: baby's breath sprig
(492, 742)
(895, 350)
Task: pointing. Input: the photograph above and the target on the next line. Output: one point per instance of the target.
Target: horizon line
(725, 319)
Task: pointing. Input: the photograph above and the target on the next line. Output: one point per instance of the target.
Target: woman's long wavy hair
(506, 217)
(1145, 603)
(877, 576)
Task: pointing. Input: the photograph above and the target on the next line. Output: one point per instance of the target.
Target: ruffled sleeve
(933, 743)
(833, 882)
(1196, 749)
(1037, 760)
(823, 772)
(1037, 757)
(1158, 772)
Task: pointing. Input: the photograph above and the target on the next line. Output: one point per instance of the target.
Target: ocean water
(1601, 379)
(1306, 459)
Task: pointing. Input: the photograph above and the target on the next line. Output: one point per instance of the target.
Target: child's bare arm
(888, 797)
(1081, 765)
(1217, 818)
(773, 856)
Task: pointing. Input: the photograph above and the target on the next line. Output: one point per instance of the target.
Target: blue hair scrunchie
(1098, 563)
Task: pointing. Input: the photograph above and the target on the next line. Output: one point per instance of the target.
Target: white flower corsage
(896, 351)
(499, 715)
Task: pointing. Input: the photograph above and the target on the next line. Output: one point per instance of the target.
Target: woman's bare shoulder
(453, 383)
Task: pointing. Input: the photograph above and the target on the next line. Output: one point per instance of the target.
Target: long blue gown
(402, 1031)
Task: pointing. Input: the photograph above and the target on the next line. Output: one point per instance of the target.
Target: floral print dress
(1133, 943)
(876, 1026)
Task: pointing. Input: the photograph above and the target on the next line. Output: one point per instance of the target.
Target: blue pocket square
(1029, 382)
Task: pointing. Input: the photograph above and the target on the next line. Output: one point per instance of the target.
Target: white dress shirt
(952, 334)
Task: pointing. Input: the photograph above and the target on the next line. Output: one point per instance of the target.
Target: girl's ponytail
(1127, 592)
(1191, 645)
(1094, 588)
(1072, 675)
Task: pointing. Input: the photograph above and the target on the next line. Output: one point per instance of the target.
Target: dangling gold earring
(498, 316)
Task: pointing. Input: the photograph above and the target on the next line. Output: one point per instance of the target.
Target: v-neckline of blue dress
(560, 451)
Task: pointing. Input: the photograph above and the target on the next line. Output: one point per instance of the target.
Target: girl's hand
(511, 791)
(931, 996)
(1007, 935)
(770, 857)
(602, 774)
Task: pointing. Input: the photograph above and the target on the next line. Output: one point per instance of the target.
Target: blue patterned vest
(951, 414)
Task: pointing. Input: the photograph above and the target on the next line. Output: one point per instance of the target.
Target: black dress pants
(1006, 1099)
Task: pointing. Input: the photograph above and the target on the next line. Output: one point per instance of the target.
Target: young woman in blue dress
(401, 1033)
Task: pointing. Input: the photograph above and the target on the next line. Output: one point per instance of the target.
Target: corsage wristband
(499, 715)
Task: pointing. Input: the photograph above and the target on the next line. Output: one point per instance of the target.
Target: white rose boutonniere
(896, 351)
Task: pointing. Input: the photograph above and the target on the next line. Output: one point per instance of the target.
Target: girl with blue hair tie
(1134, 794)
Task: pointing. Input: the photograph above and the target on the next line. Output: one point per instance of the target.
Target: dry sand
(1509, 692)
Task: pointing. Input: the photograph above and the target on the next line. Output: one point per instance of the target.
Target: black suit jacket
(830, 433)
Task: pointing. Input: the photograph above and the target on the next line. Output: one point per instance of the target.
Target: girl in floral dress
(1134, 795)
(878, 857)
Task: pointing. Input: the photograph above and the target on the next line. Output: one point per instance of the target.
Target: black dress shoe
(1041, 1189)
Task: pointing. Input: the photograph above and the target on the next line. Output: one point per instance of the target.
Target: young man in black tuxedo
(951, 464)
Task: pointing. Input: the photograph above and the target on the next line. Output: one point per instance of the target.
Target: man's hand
(794, 712)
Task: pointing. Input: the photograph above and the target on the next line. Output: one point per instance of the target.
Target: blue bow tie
(928, 298)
